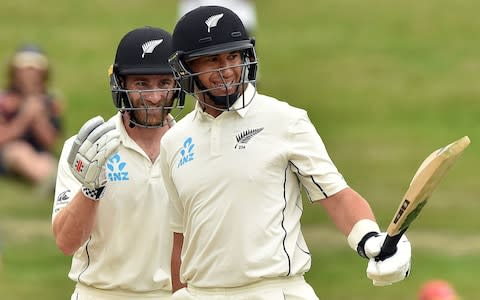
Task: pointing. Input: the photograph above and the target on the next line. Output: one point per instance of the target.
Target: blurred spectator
(437, 290)
(245, 9)
(29, 118)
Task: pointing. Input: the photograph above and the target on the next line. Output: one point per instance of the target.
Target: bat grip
(389, 246)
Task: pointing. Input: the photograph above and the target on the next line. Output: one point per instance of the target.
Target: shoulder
(116, 118)
(8, 97)
(55, 95)
(184, 123)
(279, 109)
(67, 145)
(9, 104)
(56, 103)
(180, 128)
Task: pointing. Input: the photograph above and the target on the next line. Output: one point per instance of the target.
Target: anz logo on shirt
(186, 152)
(116, 169)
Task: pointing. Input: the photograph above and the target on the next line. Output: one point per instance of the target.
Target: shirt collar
(124, 137)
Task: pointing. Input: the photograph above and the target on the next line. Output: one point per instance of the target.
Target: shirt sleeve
(310, 160)
(66, 185)
(175, 207)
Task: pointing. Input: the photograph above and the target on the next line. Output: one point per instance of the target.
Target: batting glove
(96, 141)
(391, 270)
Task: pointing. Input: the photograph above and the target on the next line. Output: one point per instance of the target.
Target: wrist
(93, 194)
(360, 233)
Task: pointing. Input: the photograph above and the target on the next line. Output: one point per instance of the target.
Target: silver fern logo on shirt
(244, 137)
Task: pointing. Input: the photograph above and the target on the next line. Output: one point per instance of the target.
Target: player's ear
(116, 83)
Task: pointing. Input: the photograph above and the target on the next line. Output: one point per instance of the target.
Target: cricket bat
(423, 183)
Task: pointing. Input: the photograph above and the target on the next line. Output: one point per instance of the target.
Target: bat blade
(423, 183)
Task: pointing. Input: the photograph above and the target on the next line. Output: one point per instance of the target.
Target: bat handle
(389, 246)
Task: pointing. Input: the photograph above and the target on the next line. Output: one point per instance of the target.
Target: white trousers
(285, 288)
(83, 292)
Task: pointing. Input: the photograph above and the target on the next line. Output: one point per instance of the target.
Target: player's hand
(32, 107)
(96, 141)
(391, 270)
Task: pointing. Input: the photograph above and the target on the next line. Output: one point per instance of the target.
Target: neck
(146, 138)
(209, 106)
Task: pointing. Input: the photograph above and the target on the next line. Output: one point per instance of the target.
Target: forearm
(346, 208)
(176, 262)
(73, 224)
(13, 129)
(45, 133)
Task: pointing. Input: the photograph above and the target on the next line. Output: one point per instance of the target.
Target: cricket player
(234, 168)
(110, 209)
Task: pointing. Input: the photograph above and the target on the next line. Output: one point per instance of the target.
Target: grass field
(385, 83)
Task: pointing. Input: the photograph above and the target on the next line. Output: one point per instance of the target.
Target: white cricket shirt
(131, 243)
(234, 185)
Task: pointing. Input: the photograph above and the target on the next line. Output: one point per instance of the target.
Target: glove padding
(96, 141)
(391, 270)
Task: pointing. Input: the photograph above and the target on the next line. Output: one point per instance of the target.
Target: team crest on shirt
(244, 137)
(116, 169)
(186, 152)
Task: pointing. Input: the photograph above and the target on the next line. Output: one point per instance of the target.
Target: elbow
(66, 245)
(64, 240)
(68, 237)
(67, 249)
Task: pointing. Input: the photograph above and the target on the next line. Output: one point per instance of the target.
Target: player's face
(220, 73)
(151, 96)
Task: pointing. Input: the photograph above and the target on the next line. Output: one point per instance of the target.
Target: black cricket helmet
(143, 51)
(207, 31)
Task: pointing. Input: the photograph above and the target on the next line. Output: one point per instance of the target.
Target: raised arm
(84, 164)
(352, 214)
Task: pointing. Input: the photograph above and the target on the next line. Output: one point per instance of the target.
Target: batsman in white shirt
(234, 169)
(110, 209)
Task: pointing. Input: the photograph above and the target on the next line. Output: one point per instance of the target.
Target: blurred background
(384, 82)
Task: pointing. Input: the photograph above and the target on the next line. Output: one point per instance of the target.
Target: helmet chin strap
(131, 123)
(224, 101)
(131, 117)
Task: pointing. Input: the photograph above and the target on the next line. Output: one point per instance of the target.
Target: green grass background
(385, 83)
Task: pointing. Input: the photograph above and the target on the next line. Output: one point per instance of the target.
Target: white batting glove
(96, 141)
(391, 270)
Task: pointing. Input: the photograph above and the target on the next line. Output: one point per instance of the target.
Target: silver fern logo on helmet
(212, 21)
(149, 46)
